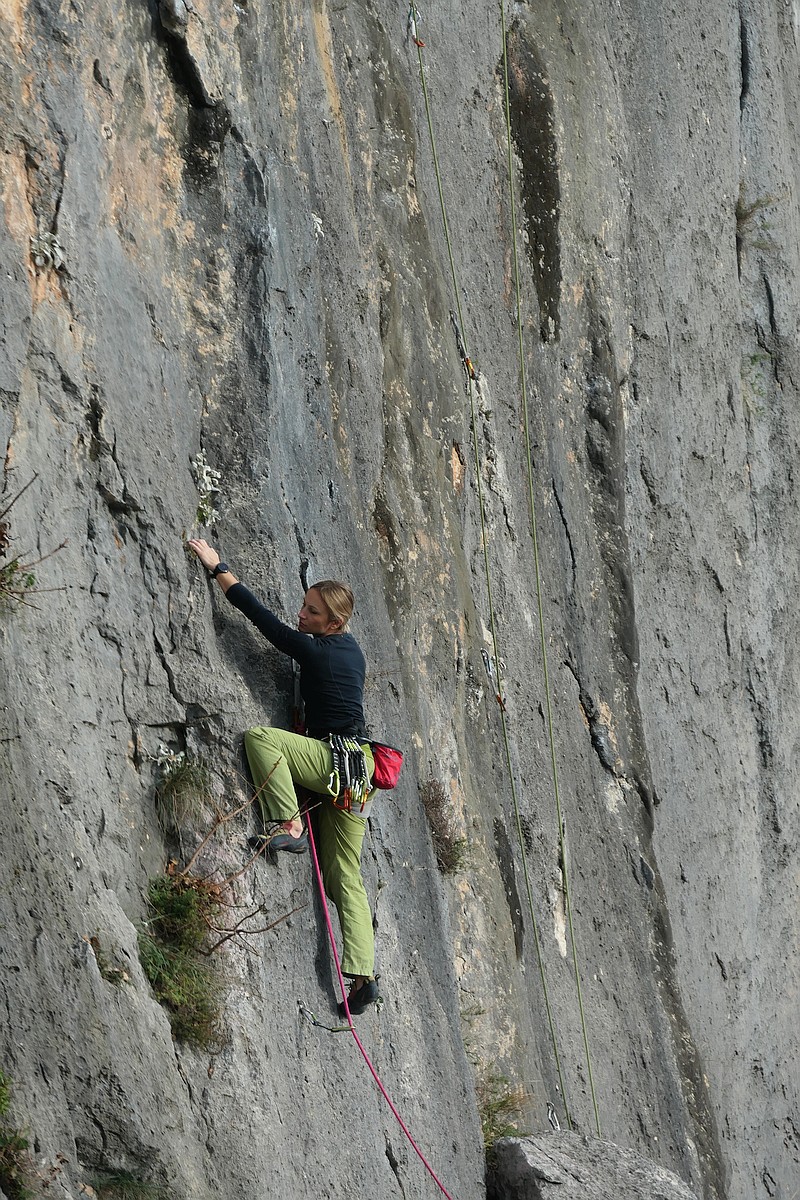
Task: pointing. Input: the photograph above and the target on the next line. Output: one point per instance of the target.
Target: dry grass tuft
(449, 849)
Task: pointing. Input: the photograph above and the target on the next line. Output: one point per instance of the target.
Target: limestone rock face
(221, 236)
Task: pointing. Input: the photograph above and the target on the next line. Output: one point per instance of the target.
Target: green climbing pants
(279, 760)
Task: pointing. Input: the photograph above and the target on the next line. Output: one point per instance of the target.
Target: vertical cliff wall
(221, 232)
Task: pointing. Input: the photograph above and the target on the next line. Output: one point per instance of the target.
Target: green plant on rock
(450, 850)
(184, 789)
(184, 910)
(124, 1185)
(175, 957)
(189, 990)
(17, 580)
(500, 1107)
(16, 1167)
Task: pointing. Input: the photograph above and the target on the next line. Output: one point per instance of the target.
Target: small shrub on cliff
(448, 848)
(16, 1167)
(173, 952)
(184, 909)
(188, 989)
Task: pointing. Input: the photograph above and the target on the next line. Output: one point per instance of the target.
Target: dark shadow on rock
(533, 131)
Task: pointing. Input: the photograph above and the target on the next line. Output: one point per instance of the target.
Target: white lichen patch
(207, 483)
(47, 251)
(613, 796)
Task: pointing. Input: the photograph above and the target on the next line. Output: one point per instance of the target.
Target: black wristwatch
(220, 569)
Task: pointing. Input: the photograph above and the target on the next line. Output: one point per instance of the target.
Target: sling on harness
(349, 781)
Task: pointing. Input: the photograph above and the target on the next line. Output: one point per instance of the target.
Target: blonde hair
(337, 598)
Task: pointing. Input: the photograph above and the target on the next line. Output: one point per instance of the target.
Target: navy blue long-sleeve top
(332, 668)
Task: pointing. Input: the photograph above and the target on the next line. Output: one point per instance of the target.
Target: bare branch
(222, 820)
(13, 568)
(14, 499)
(42, 558)
(237, 930)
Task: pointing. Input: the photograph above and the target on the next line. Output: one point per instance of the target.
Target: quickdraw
(349, 780)
(414, 16)
(466, 361)
(490, 671)
(309, 1016)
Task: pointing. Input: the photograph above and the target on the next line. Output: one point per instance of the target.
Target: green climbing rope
(538, 576)
(489, 590)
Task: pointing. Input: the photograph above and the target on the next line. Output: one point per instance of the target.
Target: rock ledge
(571, 1166)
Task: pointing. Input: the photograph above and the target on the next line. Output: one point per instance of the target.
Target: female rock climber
(332, 672)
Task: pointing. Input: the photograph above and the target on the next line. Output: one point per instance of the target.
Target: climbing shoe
(280, 841)
(360, 1000)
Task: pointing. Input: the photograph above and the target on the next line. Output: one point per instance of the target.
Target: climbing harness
(414, 16)
(349, 779)
(308, 1014)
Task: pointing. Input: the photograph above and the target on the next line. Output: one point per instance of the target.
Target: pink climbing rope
(358, 1041)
